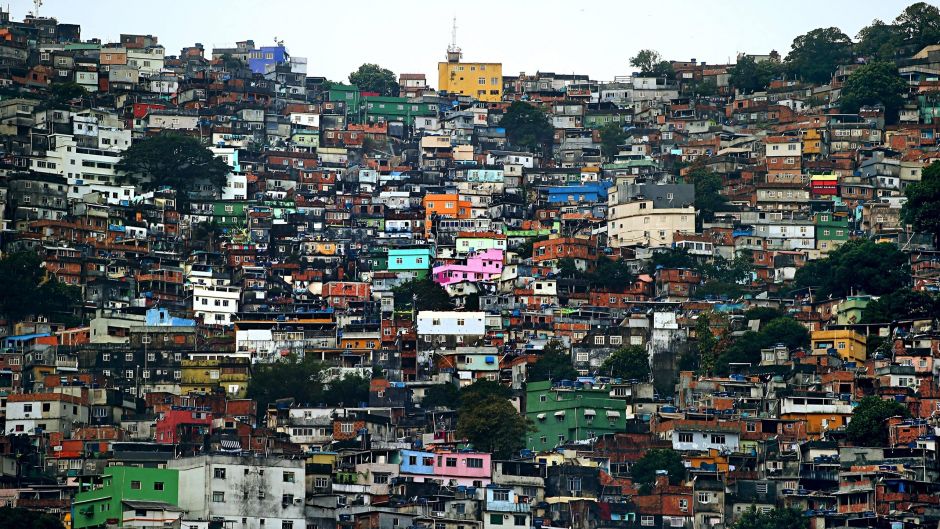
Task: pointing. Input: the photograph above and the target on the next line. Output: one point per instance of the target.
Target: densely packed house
(239, 295)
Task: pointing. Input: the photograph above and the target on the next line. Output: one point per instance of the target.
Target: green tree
(856, 266)
(373, 78)
(814, 56)
(708, 197)
(482, 389)
(349, 391)
(871, 84)
(643, 472)
(28, 290)
(63, 95)
(527, 127)
(775, 519)
(493, 425)
(553, 364)
(612, 136)
(901, 304)
(704, 345)
(289, 377)
(11, 518)
(172, 160)
(879, 41)
(423, 294)
(651, 64)
(671, 258)
(630, 363)
(869, 425)
(610, 274)
(749, 76)
(919, 25)
(441, 396)
(923, 202)
(745, 349)
(763, 314)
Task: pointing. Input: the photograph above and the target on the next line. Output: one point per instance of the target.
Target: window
(135, 485)
(451, 462)
(496, 519)
(574, 484)
(598, 340)
(616, 340)
(685, 438)
(500, 495)
(474, 462)
(718, 439)
(287, 524)
(703, 497)
(287, 499)
(752, 427)
(219, 473)
(288, 477)
(683, 505)
(646, 521)
(380, 478)
(519, 519)
(346, 427)
(157, 485)
(761, 488)
(218, 496)
(583, 357)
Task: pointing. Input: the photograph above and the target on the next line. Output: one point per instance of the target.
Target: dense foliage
(858, 266)
(775, 519)
(629, 363)
(554, 363)
(651, 64)
(873, 84)
(302, 380)
(11, 518)
(174, 161)
(815, 55)
(644, 471)
(869, 425)
(421, 294)
(29, 290)
(493, 425)
(527, 127)
(923, 202)
(902, 304)
(373, 78)
(746, 348)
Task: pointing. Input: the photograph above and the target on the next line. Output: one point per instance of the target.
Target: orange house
(446, 206)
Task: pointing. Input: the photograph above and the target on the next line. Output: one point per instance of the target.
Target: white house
(216, 304)
(250, 492)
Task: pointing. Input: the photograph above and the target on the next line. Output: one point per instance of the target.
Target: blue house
(417, 260)
(261, 58)
(417, 462)
(579, 195)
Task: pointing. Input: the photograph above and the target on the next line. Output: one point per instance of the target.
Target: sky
(595, 38)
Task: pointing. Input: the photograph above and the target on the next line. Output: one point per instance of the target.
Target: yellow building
(812, 142)
(848, 344)
(209, 373)
(480, 80)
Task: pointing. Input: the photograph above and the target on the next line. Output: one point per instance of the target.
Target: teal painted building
(101, 501)
(417, 260)
(571, 413)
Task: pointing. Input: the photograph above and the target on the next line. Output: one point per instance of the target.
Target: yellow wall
(812, 142)
(849, 345)
(464, 78)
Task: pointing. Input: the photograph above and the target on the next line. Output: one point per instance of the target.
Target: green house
(103, 501)
(832, 230)
(564, 413)
(348, 94)
(381, 108)
(230, 214)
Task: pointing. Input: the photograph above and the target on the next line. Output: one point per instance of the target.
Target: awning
(612, 413)
(560, 413)
(590, 412)
(540, 416)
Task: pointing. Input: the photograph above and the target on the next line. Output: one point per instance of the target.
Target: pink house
(471, 469)
(480, 266)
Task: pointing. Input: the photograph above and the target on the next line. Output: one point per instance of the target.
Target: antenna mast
(453, 51)
(36, 5)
